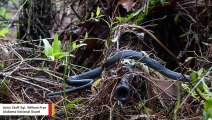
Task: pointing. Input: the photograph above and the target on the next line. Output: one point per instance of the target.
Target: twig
(154, 38)
(17, 12)
(18, 66)
(23, 80)
(78, 16)
(27, 95)
(41, 80)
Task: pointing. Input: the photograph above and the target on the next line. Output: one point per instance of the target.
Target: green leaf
(122, 19)
(96, 83)
(74, 45)
(205, 88)
(67, 54)
(56, 45)
(5, 13)
(129, 17)
(153, 2)
(86, 35)
(73, 103)
(92, 14)
(194, 76)
(3, 32)
(200, 73)
(97, 11)
(1, 65)
(48, 50)
(55, 50)
(58, 55)
(207, 109)
(3, 87)
(106, 44)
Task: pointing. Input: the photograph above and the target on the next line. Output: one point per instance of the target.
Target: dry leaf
(94, 85)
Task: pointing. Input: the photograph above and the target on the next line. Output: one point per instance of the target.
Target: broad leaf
(54, 51)
(59, 55)
(56, 45)
(48, 50)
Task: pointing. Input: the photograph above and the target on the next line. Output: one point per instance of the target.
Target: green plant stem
(178, 101)
(64, 75)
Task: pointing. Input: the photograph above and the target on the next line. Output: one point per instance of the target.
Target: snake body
(84, 81)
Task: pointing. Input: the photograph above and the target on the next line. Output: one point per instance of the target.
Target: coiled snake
(84, 81)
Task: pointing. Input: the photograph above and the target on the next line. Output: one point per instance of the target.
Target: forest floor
(44, 42)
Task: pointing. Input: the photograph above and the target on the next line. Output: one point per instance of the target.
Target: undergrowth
(53, 44)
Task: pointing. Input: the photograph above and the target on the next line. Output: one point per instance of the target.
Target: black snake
(84, 81)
